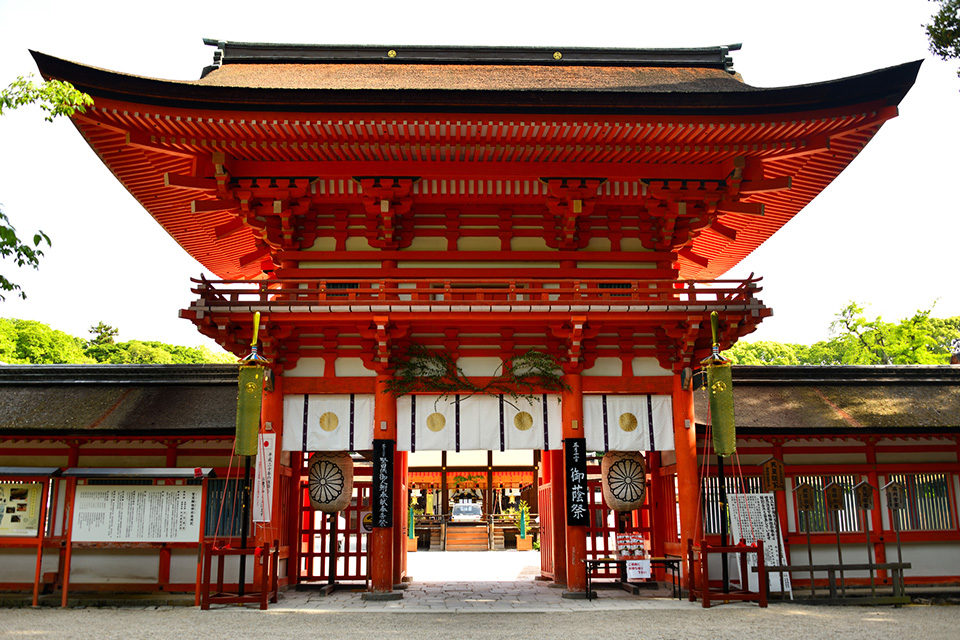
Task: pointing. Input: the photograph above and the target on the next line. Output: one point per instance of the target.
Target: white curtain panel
(628, 422)
(335, 422)
(481, 422)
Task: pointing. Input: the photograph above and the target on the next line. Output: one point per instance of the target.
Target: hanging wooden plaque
(806, 497)
(864, 495)
(896, 496)
(834, 496)
(772, 476)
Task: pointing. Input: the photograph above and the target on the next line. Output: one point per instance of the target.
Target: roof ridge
(229, 52)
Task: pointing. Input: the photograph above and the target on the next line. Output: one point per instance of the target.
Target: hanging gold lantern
(623, 479)
(250, 396)
(330, 480)
(720, 390)
(249, 400)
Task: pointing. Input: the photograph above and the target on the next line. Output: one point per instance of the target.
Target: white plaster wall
(529, 244)
(306, 368)
(103, 566)
(927, 558)
(605, 367)
(470, 243)
(649, 367)
(18, 565)
(427, 243)
(358, 243)
(324, 243)
(352, 367)
(597, 244)
(482, 367)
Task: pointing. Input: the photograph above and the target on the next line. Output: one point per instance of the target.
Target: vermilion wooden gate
(545, 502)
(350, 550)
(604, 524)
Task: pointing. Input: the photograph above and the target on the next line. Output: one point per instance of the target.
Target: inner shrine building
(477, 204)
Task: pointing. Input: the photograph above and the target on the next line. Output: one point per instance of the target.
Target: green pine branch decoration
(525, 376)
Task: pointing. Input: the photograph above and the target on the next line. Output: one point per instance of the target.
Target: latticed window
(928, 505)
(223, 507)
(711, 498)
(821, 520)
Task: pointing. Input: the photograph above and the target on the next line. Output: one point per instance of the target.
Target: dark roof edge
(829, 432)
(118, 374)
(887, 86)
(277, 53)
(846, 374)
(113, 434)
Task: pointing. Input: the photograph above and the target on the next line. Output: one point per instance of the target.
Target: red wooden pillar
(781, 498)
(655, 509)
(381, 539)
(559, 517)
(400, 515)
(876, 515)
(576, 537)
(685, 441)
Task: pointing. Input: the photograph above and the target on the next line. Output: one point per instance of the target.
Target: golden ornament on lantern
(720, 391)
(250, 396)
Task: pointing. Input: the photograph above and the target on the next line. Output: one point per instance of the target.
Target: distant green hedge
(32, 342)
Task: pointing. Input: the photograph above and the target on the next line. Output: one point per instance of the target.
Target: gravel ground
(780, 621)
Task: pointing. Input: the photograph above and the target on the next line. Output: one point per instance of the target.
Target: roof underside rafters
(769, 150)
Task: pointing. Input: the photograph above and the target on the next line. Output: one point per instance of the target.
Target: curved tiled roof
(779, 399)
(118, 399)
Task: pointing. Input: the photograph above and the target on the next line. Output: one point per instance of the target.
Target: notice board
(137, 513)
(20, 508)
(753, 516)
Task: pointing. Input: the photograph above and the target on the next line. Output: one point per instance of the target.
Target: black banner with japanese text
(383, 483)
(575, 456)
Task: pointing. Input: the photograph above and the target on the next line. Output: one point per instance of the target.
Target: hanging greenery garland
(436, 371)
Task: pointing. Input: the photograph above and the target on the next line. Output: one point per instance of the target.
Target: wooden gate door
(317, 529)
(544, 493)
(605, 523)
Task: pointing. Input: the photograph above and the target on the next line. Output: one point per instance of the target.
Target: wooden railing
(499, 291)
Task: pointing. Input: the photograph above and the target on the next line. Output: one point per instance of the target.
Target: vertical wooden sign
(834, 496)
(896, 496)
(806, 497)
(864, 495)
(575, 454)
(383, 483)
(772, 476)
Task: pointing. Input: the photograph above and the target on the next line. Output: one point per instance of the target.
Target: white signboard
(638, 570)
(263, 479)
(20, 508)
(137, 513)
(753, 516)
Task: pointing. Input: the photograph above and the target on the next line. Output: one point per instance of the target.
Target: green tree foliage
(944, 30)
(103, 333)
(56, 98)
(919, 339)
(30, 342)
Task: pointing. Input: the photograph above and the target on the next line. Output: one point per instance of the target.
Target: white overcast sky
(884, 233)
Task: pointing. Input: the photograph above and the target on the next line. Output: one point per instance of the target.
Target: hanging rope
(223, 496)
(705, 471)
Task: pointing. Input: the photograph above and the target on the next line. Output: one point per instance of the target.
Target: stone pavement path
(500, 600)
(476, 582)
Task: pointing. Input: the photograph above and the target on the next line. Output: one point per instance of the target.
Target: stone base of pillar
(380, 596)
(577, 595)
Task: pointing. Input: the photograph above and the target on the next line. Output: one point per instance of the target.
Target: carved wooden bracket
(570, 200)
(386, 200)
